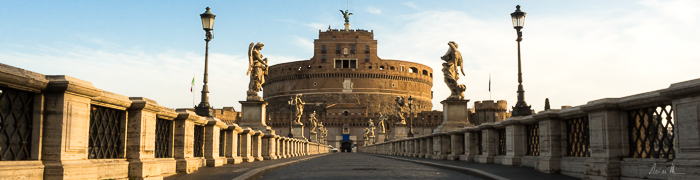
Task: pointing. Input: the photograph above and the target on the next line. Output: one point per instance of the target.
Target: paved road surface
(361, 166)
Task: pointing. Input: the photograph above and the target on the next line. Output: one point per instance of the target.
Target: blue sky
(573, 51)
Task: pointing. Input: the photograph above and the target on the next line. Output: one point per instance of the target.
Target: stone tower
(489, 111)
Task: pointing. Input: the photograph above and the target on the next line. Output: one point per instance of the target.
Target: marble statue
(381, 123)
(346, 15)
(366, 131)
(313, 122)
(400, 105)
(371, 128)
(453, 59)
(257, 69)
(299, 104)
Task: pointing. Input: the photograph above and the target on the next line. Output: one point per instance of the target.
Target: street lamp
(521, 108)
(410, 124)
(291, 120)
(204, 109)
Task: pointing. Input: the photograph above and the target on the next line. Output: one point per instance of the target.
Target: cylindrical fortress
(345, 75)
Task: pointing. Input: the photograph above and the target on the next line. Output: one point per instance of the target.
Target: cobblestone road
(360, 166)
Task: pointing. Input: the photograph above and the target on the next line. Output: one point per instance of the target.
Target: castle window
(337, 49)
(333, 37)
(356, 37)
(309, 67)
(346, 113)
(425, 72)
(367, 58)
(323, 58)
(345, 63)
(381, 67)
(431, 74)
(323, 49)
(392, 68)
(413, 70)
(352, 49)
(370, 67)
(366, 49)
(402, 68)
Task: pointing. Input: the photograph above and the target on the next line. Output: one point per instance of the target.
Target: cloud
(411, 4)
(305, 44)
(570, 59)
(373, 10)
(317, 26)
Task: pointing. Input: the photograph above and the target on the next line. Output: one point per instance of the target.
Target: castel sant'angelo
(346, 84)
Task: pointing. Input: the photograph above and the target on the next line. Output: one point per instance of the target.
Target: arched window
(346, 113)
(425, 72)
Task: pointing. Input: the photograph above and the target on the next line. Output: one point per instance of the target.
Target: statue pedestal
(313, 137)
(399, 132)
(253, 115)
(381, 137)
(347, 26)
(298, 131)
(455, 116)
(371, 140)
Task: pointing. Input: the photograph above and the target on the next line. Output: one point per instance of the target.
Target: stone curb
(470, 171)
(259, 172)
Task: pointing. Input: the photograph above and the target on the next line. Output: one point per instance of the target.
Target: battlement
(490, 104)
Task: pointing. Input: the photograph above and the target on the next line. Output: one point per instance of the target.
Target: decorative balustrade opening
(501, 141)
(16, 114)
(106, 141)
(222, 143)
(479, 142)
(533, 140)
(577, 137)
(164, 138)
(651, 132)
(198, 141)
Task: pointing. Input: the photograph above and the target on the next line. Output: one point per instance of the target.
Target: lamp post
(204, 109)
(410, 113)
(291, 120)
(521, 108)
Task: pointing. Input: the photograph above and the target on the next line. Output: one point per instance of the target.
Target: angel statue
(381, 122)
(313, 122)
(453, 59)
(366, 131)
(346, 15)
(257, 69)
(299, 108)
(399, 109)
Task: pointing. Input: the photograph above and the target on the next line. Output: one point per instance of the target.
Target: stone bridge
(60, 127)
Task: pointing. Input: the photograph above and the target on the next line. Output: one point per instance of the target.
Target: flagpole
(490, 86)
(193, 75)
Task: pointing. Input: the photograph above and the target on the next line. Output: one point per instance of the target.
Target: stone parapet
(598, 140)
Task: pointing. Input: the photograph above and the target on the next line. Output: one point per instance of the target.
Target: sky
(572, 51)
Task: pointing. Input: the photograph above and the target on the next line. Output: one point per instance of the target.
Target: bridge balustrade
(643, 136)
(60, 127)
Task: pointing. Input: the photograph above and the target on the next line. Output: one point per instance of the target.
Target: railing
(105, 133)
(164, 138)
(16, 114)
(60, 127)
(198, 141)
(651, 132)
(577, 137)
(533, 140)
(501, 141)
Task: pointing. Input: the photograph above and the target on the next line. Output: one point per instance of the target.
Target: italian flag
(192, 87)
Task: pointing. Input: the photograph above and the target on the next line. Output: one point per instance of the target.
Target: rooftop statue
(346, 15)
(257, 69)
(453, 59)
